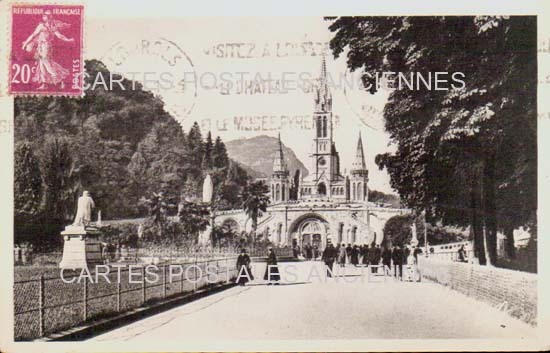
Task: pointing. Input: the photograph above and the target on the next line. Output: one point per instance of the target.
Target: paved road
(310, 308)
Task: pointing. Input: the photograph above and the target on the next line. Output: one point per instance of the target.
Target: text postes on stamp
(46, 50)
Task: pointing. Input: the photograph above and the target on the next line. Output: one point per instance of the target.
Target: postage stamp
(46, 50)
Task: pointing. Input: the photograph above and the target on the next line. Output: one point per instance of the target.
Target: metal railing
(49, 304)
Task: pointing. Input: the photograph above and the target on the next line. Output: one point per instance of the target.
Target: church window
(277, 192)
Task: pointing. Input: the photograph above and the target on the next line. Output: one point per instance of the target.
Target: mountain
(257, 154)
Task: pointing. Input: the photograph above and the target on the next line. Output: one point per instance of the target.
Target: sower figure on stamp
(328, 257)
(272, 270)
(41, 41)
(243, 266)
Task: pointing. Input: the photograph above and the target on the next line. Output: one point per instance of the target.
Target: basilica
(327, 204)
(326, 180)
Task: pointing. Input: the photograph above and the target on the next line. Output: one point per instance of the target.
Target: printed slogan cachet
(46, 50)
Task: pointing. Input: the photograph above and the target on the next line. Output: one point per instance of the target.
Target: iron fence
(50, 304)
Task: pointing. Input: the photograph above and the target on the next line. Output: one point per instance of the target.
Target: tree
(397, 230)
(255, 201)
(60, 190)
(27, 192)
(466, 155)
(194, 217)
(208, 149)
(219, 154)
(158, 211)
(194, 155)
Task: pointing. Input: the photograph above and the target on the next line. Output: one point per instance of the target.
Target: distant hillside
(257, 154)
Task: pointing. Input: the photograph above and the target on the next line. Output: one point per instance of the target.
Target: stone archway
(310, 229)
(231, 224)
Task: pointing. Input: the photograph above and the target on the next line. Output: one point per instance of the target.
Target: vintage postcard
(183, 178)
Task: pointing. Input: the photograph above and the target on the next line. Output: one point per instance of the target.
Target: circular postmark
(368, 108)
(161, 67)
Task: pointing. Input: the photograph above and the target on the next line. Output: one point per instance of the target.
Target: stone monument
(205, 237)
(81, 247)
(414, 240)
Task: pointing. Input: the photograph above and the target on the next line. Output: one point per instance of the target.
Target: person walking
(416, 251)
(397, 258)
(461, 254)
(348, 253)
(365, 254)
(377, 254)
(243, 268)
(342, 255)
(355, 255)
(328, 257)
(272, 274)
(386, 258)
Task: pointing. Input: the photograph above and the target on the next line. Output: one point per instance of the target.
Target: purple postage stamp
(46, 50)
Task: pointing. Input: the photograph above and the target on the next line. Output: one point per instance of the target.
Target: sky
(241, 77)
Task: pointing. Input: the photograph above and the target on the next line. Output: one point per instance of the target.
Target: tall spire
(323, 97)
(359, 163)
(279, 164)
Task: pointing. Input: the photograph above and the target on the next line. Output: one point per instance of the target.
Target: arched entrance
(312, 232)
(310, 229)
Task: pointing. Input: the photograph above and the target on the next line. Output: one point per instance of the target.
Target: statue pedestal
(81, 248)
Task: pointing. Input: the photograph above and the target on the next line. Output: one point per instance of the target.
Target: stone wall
(512, 291)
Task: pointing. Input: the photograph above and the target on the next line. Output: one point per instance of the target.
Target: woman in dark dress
(271, 269)
(243, 267)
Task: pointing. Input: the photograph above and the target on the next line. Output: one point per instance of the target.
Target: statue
(84, 210)
(207, 189)
(414, 240)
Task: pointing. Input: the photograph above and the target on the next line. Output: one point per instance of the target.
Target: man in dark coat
(365, 254)
(397, 258)
(386, 258)
(342, 255)
(328, 257)
(348, 253)
(272, 270)
(355, 255)
(406, 253)
(243, 266)
(377, 254)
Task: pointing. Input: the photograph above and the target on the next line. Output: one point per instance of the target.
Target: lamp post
(425, 232)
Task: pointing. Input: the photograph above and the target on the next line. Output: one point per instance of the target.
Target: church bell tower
(324, 157)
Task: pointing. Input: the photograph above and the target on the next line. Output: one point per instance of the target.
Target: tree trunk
(489, 208)
(476, 220)
(509, 242)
